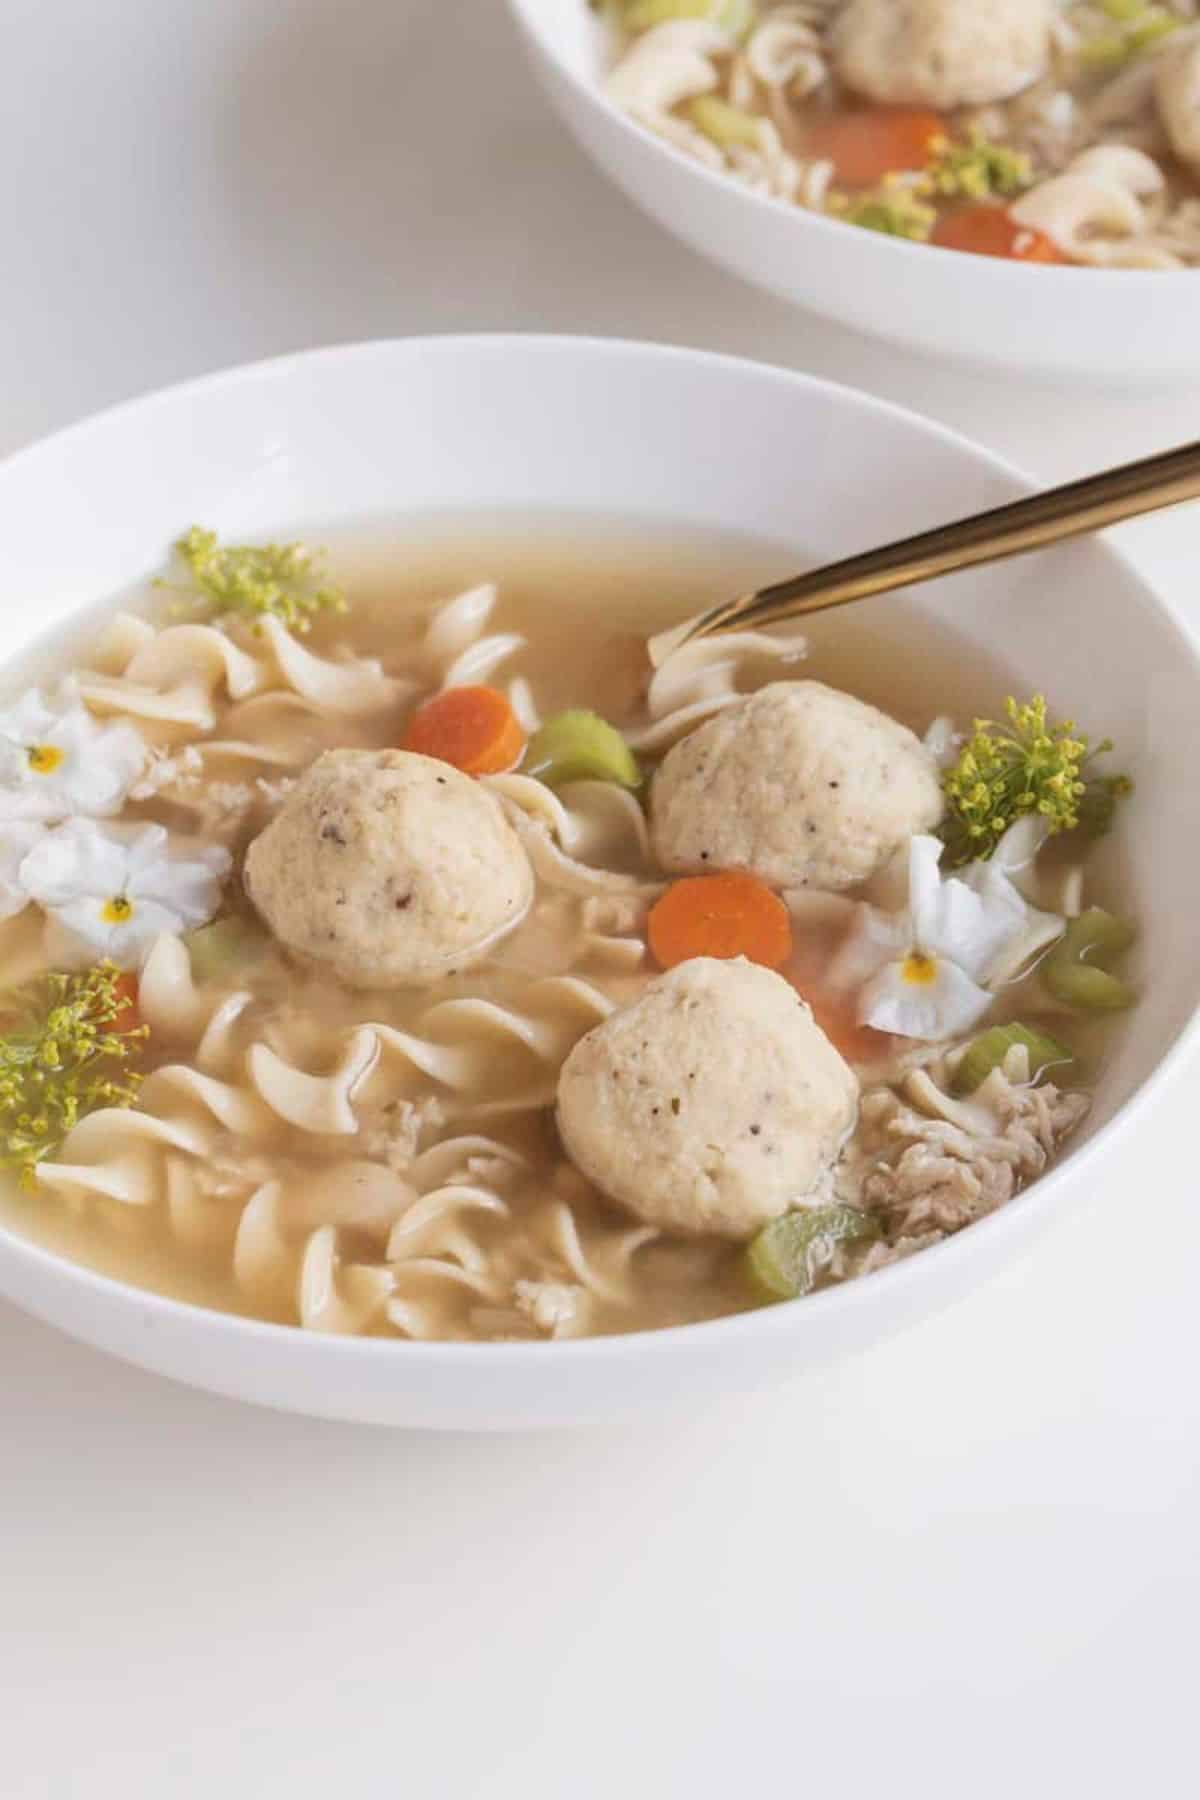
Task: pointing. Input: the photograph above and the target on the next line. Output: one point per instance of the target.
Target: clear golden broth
(584, 592)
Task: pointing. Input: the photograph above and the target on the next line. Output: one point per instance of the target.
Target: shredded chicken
(166, 770)
(928, 1164)
(881, 1255)
(396, 1132)
(229, 1176)
(497, 1172)
(617, 915)
(555, 1307)
(220, 808)
(274, 793)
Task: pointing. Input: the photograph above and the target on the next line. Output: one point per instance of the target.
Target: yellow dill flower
(734, 16)
(977, 169)
(896, 209)
(61, 1059)
(1027, 764)
(1137, 26)
(255, 580)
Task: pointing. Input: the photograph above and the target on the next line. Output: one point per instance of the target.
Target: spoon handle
(1030, 524)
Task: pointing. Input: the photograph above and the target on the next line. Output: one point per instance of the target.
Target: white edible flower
(928, 972)
(943, 741)
(118, 887)
(1017, 852)
(58, 762)
(16, 841)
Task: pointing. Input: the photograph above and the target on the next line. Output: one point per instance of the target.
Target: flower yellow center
(44, 758)
(117, 911)
(918, 970)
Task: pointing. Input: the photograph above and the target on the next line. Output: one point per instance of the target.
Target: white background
(966, 1563)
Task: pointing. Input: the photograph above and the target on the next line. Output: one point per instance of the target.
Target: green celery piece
(734, 16)
(1094, 933)
(1151, 30)
(725, 125)
(1107, 52)
(990, 1048)
(1088, 987)
(580, 746)
(217, 950)
(784, 1260)
(1074, 972)
(1139, 27)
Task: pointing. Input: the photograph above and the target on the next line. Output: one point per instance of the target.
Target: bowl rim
(666, 1343)
(1064, 276)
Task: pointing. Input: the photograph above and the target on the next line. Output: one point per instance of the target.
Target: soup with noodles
(1040, 131)
(386, 950)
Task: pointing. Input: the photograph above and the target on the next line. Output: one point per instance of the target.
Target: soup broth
(386, 1160)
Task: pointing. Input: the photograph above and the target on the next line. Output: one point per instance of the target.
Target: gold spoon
(1031, 524)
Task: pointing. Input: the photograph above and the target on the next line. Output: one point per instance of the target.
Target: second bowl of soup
(847, 153)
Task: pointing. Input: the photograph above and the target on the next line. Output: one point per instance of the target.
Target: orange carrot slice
(474, 728)
(129, 1017)
(992, 231)
(720, 915)
(868, 144)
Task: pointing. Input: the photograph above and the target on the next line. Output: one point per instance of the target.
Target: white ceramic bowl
(404, 429)
(1106, 325)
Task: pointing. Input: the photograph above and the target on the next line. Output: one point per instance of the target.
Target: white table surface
(964, 1563)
